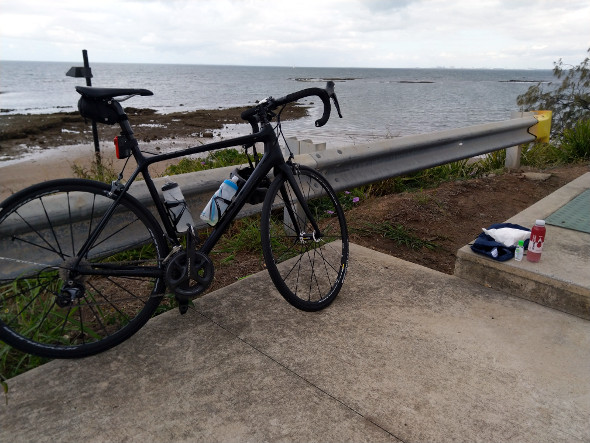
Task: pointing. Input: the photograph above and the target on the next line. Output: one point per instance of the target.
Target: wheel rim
(46, 302)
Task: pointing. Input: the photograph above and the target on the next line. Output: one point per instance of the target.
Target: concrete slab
(404, 353)
(561, 280)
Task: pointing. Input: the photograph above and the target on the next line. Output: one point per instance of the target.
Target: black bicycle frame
(271, 159)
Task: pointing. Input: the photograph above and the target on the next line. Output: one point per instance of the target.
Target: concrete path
(405, 353)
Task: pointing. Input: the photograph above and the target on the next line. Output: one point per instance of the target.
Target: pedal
(182, 305)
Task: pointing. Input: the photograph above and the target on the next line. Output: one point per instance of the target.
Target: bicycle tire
(307, 272)
(42, 230)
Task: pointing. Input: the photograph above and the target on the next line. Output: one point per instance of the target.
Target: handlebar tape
(321, 93)
(249, 114)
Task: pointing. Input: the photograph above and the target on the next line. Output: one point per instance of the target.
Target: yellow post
(543, 127)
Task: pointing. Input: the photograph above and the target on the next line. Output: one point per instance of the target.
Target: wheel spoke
(49, 247)
(74, 306)
(110, 236)
(51, 227)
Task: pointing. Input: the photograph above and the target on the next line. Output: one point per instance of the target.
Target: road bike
(84, 265)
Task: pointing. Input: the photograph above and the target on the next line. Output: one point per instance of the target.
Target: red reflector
(116, 141)
(122, 147)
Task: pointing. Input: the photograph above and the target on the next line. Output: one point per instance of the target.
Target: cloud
(365, 33)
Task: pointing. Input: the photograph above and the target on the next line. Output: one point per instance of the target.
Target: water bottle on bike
(176, 206)
(220, 201)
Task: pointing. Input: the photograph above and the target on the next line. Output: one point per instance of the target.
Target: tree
(569, 101)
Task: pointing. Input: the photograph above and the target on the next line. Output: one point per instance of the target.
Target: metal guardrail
(359, 165)
(345, 168)
(348, 167)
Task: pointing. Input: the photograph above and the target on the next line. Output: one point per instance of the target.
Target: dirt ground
(453, 214)
(446, 217)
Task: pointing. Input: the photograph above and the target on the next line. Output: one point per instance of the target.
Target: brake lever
(330, 90)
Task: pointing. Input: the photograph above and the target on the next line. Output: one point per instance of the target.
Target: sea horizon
(79, 62)
(376, 102)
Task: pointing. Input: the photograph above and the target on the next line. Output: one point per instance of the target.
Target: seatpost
(123, 120)
(126, 127)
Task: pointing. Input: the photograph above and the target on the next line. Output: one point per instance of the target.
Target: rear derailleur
(188, 272)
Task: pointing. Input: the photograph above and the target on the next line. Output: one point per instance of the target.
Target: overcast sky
(361, 33)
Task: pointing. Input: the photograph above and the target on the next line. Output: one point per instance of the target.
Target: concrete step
(561, 280)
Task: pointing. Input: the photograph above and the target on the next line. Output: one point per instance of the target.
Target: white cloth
(508, 236)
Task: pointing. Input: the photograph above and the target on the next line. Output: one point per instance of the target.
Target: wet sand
(59, 163)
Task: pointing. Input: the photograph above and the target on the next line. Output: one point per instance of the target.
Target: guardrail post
(541, 132)
(513, 153)
(309, 147)
(298, 147)
(292, 145)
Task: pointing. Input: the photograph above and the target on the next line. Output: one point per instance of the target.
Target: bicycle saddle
(97, 93)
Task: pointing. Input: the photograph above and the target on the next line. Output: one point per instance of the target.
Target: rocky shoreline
(39, 147)
(21, 131)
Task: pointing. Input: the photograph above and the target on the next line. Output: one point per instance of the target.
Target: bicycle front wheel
(307, 269)
(63, 295)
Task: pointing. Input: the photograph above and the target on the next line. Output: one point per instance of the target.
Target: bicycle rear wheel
(51, 305)
(308, 271)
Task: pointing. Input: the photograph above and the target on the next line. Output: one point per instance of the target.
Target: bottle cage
(260, 192)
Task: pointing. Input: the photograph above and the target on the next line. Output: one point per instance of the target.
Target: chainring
(188, 285)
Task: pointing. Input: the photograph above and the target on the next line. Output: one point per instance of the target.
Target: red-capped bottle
(536, 241)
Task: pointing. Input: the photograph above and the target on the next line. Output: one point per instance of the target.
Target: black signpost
(86, 72)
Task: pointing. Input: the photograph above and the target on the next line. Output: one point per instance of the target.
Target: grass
(103, 170)
(398, 233)
(572, 146)
(575, 142)
(14, 362)
(242, 236)
(99, 170)
(215, 159)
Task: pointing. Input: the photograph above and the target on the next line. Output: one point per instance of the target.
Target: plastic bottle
(176, 206)
(536, 241)
(519, 251)
(220, 201)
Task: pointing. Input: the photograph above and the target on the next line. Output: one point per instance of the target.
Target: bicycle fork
(287, 168)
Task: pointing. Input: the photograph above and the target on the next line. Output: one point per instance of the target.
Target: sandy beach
(63, 140)
(59, 163)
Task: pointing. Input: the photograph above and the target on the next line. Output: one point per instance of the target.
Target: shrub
(99, 169)
(575, 142)
(569, 101)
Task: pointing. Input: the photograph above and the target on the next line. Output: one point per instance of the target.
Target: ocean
(375, 103)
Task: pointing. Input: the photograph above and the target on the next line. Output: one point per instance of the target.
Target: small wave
(40, 110)
(523, 81)
(152, 125)
(323, 79)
